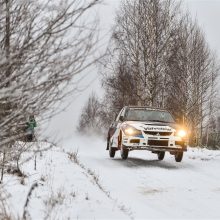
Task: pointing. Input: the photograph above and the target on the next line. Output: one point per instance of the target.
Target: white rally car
(144, 128)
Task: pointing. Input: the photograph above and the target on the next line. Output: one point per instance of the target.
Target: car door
(117, 126)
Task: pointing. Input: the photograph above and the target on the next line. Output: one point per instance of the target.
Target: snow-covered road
(156, 189)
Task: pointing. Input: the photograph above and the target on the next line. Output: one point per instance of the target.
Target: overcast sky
(207, 13)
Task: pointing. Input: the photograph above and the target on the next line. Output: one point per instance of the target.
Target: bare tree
(44, 45)
(90, 117)
(143, 34)
(192, 71)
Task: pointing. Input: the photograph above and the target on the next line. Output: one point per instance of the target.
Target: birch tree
(192, 71)
(143, 32)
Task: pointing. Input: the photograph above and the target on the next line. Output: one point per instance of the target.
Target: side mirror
(121, 118)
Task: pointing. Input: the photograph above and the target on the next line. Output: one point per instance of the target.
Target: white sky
(207, 13)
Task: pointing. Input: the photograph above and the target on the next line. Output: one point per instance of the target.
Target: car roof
(146, 107)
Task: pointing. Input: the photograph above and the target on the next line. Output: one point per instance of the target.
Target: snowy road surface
(157, 189)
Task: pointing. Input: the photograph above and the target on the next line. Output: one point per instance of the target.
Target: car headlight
(131, 131)
(181, 133)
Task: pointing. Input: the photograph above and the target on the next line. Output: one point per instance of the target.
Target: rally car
(145, 128)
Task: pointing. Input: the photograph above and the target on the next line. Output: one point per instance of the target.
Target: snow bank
(65, 190)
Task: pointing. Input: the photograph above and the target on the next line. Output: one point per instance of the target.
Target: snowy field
(90, 185)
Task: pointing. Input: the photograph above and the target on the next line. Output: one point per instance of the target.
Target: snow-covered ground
(66, 190)
(90, 185)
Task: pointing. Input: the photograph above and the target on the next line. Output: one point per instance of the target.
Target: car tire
(124, 153)
(107, 147)
(112, 152)
(160, 155)
(179, 156)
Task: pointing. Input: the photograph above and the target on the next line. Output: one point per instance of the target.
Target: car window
(117, 119)
(149, 115)
(122, 112)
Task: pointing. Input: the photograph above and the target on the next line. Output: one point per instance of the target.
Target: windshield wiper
(161, 121)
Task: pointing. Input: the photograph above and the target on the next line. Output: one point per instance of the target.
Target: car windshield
(148, 115)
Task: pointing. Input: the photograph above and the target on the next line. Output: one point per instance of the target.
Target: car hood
(153, 126)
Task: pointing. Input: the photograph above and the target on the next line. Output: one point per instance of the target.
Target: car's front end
(153, 136)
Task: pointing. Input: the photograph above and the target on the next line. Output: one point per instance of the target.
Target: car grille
(163, 133)
(158, 142)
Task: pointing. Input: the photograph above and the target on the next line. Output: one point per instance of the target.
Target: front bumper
(155, 143)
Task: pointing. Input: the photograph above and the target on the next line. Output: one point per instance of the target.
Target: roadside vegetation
(44, 48)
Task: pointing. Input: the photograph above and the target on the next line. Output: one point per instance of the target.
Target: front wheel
(179, 156)
(112, 152)
(124, 153)
(161, 155)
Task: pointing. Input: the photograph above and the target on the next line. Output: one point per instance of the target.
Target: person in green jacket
(31, 124)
